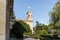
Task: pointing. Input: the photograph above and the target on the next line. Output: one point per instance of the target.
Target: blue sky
(40, 9)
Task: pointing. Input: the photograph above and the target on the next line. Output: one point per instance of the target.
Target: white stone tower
(29, 15)
(30, 20)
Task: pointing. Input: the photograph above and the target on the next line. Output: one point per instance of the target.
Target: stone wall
(2, 16)
(4, 20)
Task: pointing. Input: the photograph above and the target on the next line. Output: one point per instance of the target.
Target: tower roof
(29, 11)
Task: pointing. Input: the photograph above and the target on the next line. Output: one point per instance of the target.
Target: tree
(38, 25)
(40, 29)
(26, 26)
(55, 16)
(18, 29)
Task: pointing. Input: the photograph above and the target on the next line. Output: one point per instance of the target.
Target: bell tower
(30, 20)
(29, 15)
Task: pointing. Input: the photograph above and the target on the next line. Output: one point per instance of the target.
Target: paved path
(29, 39)
(26, 37)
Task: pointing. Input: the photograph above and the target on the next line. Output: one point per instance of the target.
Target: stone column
(4, 20)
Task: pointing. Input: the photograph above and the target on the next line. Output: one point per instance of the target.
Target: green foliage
(34, 36)
(39, 29)
(27, 33)
(46, 37)
(38, 25)
(37, 34)
(27, 28)
(58, 24)
(17, 30)
(44, 32)
(55, 18)
(58, 31)
(45, 27)
(50, 26)
(55, 14)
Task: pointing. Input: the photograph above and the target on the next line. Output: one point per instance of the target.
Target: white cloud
(29, 7)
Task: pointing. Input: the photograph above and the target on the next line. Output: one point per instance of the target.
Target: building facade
(30, 20)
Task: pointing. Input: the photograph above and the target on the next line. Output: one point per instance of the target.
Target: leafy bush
(17, 30)
(26, 26)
